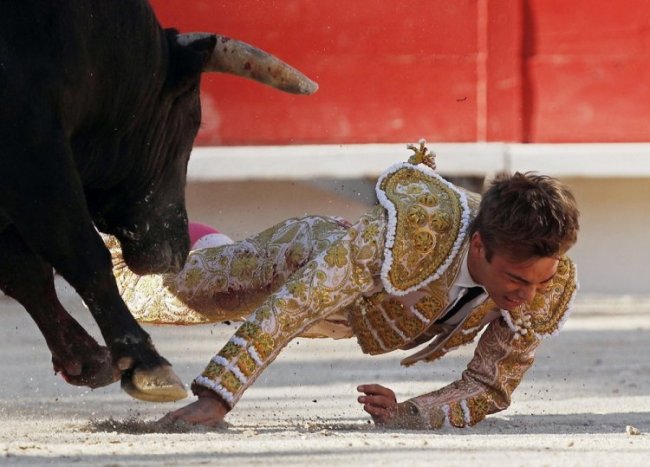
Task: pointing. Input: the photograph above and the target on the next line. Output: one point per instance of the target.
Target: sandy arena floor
(588, 385)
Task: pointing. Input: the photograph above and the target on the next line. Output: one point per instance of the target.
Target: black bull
(99, 107)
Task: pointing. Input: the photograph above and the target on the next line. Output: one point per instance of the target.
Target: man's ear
(478, 248)
(476, 243)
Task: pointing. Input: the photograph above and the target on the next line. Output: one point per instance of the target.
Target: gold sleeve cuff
(411, 417)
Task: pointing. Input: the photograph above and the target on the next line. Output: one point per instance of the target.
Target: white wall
(613, 250)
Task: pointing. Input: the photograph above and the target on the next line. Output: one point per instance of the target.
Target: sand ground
(588, 384)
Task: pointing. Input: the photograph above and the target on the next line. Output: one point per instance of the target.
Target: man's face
(508, 282)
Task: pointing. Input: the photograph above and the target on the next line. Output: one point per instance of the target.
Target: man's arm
(500, 361)
(485, 387)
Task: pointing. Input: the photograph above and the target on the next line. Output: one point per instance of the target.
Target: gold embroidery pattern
(436, 298)
(284, 279)
(332, 279)
(456, 415)
(430, 305)
(409, 325)
(214, 370)
(357, 317)
(383, 323)
(228, 282)
(230, 382)
(479, 407)
(428, 216)
(246, 364)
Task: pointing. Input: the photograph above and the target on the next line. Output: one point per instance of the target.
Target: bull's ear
(203, 45)
(187, 59)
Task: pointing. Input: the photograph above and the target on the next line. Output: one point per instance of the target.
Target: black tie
(471, 294)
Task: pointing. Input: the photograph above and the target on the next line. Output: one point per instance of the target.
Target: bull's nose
(160, 257)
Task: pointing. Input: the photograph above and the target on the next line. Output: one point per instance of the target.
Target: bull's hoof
(158, 384)
(95, 371)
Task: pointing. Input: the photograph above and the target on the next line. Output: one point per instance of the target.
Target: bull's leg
(57, 226)
(27, 279)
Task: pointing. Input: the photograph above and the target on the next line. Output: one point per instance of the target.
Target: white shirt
(462, 282)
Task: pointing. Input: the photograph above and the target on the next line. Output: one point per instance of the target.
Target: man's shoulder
(428, 220)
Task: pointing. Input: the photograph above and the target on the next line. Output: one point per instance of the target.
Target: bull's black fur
(99, 107)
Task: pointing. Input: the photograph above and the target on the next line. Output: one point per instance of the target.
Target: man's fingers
(372, 388)
(376, 390)
(379, 401)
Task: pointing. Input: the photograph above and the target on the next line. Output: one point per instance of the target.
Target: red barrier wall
(457, 71)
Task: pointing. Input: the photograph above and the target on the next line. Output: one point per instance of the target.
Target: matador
(427, 269)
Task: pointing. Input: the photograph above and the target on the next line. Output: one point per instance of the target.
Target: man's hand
(209, 410)
(380, 402)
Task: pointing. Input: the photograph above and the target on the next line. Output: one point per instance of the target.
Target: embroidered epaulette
(547, 312)
(427, 222)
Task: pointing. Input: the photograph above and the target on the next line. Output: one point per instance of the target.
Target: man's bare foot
(206, 411)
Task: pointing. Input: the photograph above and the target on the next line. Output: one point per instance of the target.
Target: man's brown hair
(527, 215)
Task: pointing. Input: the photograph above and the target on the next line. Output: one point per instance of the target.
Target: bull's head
(154, 230)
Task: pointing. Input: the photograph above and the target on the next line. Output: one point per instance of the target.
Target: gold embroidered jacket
(426, 241)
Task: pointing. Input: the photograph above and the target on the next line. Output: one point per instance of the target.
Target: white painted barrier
(591, 160)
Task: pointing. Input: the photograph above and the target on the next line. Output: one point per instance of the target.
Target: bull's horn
(238, 58)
